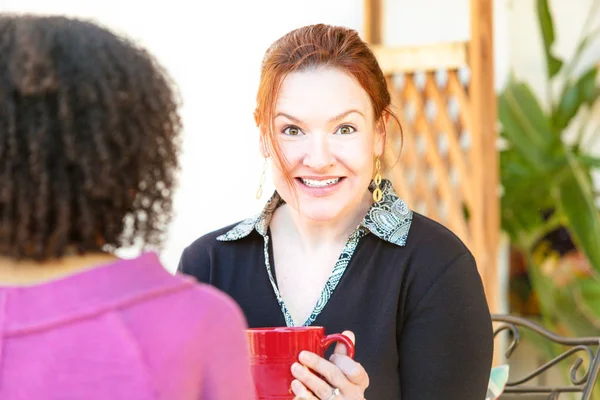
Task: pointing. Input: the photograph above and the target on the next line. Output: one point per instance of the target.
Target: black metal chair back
(582, 379)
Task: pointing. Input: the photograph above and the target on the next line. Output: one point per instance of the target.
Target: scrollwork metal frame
(589, 345)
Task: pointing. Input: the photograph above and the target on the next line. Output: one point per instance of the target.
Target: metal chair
(589, 345)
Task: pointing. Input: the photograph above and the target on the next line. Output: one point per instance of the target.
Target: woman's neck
(315, 235)
(28, 272)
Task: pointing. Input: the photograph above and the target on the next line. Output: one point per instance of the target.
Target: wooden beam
(406, 59)
(486, 184)
(373, 23)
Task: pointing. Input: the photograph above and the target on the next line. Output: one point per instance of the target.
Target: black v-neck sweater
(422, 324)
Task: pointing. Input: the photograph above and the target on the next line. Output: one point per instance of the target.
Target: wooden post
(373, 24)
(485, 162)
(479, 109)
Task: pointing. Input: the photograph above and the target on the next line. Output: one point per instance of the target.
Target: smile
(319, 183)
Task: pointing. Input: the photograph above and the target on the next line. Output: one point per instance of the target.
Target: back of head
(89, 139)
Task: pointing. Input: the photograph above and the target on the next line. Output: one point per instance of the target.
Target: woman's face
(325, 128)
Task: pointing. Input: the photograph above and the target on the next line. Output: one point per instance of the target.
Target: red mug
(274, 350)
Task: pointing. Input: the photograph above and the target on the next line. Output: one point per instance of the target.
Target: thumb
(340, 348)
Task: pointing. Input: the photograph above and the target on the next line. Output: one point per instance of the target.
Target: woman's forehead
(323, 93)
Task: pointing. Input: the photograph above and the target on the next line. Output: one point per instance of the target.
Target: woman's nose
(319, 153)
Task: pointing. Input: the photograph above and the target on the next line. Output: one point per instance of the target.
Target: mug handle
(338, 337)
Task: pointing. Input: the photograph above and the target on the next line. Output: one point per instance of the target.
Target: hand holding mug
(273, 351)
(341, 378)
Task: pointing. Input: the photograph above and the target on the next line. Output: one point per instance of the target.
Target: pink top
(128, 330)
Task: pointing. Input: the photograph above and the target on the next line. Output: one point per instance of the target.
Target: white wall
(213, 50)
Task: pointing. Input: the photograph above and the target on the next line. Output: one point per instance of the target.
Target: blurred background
(498, 101)
(213, 51)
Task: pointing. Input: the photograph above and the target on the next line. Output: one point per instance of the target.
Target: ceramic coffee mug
(274, 350)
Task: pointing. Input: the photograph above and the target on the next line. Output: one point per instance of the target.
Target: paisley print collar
(389, 219)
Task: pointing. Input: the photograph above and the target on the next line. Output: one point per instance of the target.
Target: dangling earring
(262, 180)
(377, 193)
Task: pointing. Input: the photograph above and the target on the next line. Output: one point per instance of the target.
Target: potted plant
(549, 206)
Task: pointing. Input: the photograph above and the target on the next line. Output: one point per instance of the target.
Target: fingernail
(296, 367)
(303, 356)
(296, 386)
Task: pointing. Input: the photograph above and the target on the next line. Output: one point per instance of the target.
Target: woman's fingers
(315, 384)
(340, 348)
(334, 377)
(301, 392)
(353, 371)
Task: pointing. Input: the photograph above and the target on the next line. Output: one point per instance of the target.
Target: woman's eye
(292, 131)
(345, 130)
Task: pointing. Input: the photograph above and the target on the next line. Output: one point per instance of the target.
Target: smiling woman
(336, 247)
(326, 137)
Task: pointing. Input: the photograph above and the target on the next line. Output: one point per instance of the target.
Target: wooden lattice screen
(445, 101)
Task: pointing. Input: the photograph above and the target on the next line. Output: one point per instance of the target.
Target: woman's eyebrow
(333, 119)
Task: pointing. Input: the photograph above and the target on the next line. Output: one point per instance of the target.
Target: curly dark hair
(89, 140)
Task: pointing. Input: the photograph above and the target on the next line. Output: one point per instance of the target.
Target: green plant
(547, 182)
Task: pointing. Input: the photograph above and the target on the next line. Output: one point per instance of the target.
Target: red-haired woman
(336, 247)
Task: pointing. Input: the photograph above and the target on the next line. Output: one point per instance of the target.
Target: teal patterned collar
(388, 219)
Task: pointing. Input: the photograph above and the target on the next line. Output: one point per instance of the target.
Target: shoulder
(210, 305)
(185, 301)
(433, 249)
(191, 316)
(207, 241)
(197, 257)
(430, 249)
(438, 266)
(203, 311)
(222, 238)
(430, 239)
(427, 241)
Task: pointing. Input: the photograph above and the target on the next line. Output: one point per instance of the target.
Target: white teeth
(324, 183)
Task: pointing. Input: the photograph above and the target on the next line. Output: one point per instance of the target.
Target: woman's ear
(381, 133)
(263, 146)
(256, 121)
(385, 117)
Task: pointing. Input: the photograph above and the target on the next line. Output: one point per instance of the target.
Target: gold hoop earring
(263, 175)
(377, 193)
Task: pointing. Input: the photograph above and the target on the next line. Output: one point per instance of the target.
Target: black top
(417, 306)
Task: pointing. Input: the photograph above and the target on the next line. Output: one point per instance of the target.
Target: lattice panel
(448, 169)
(433, 173)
